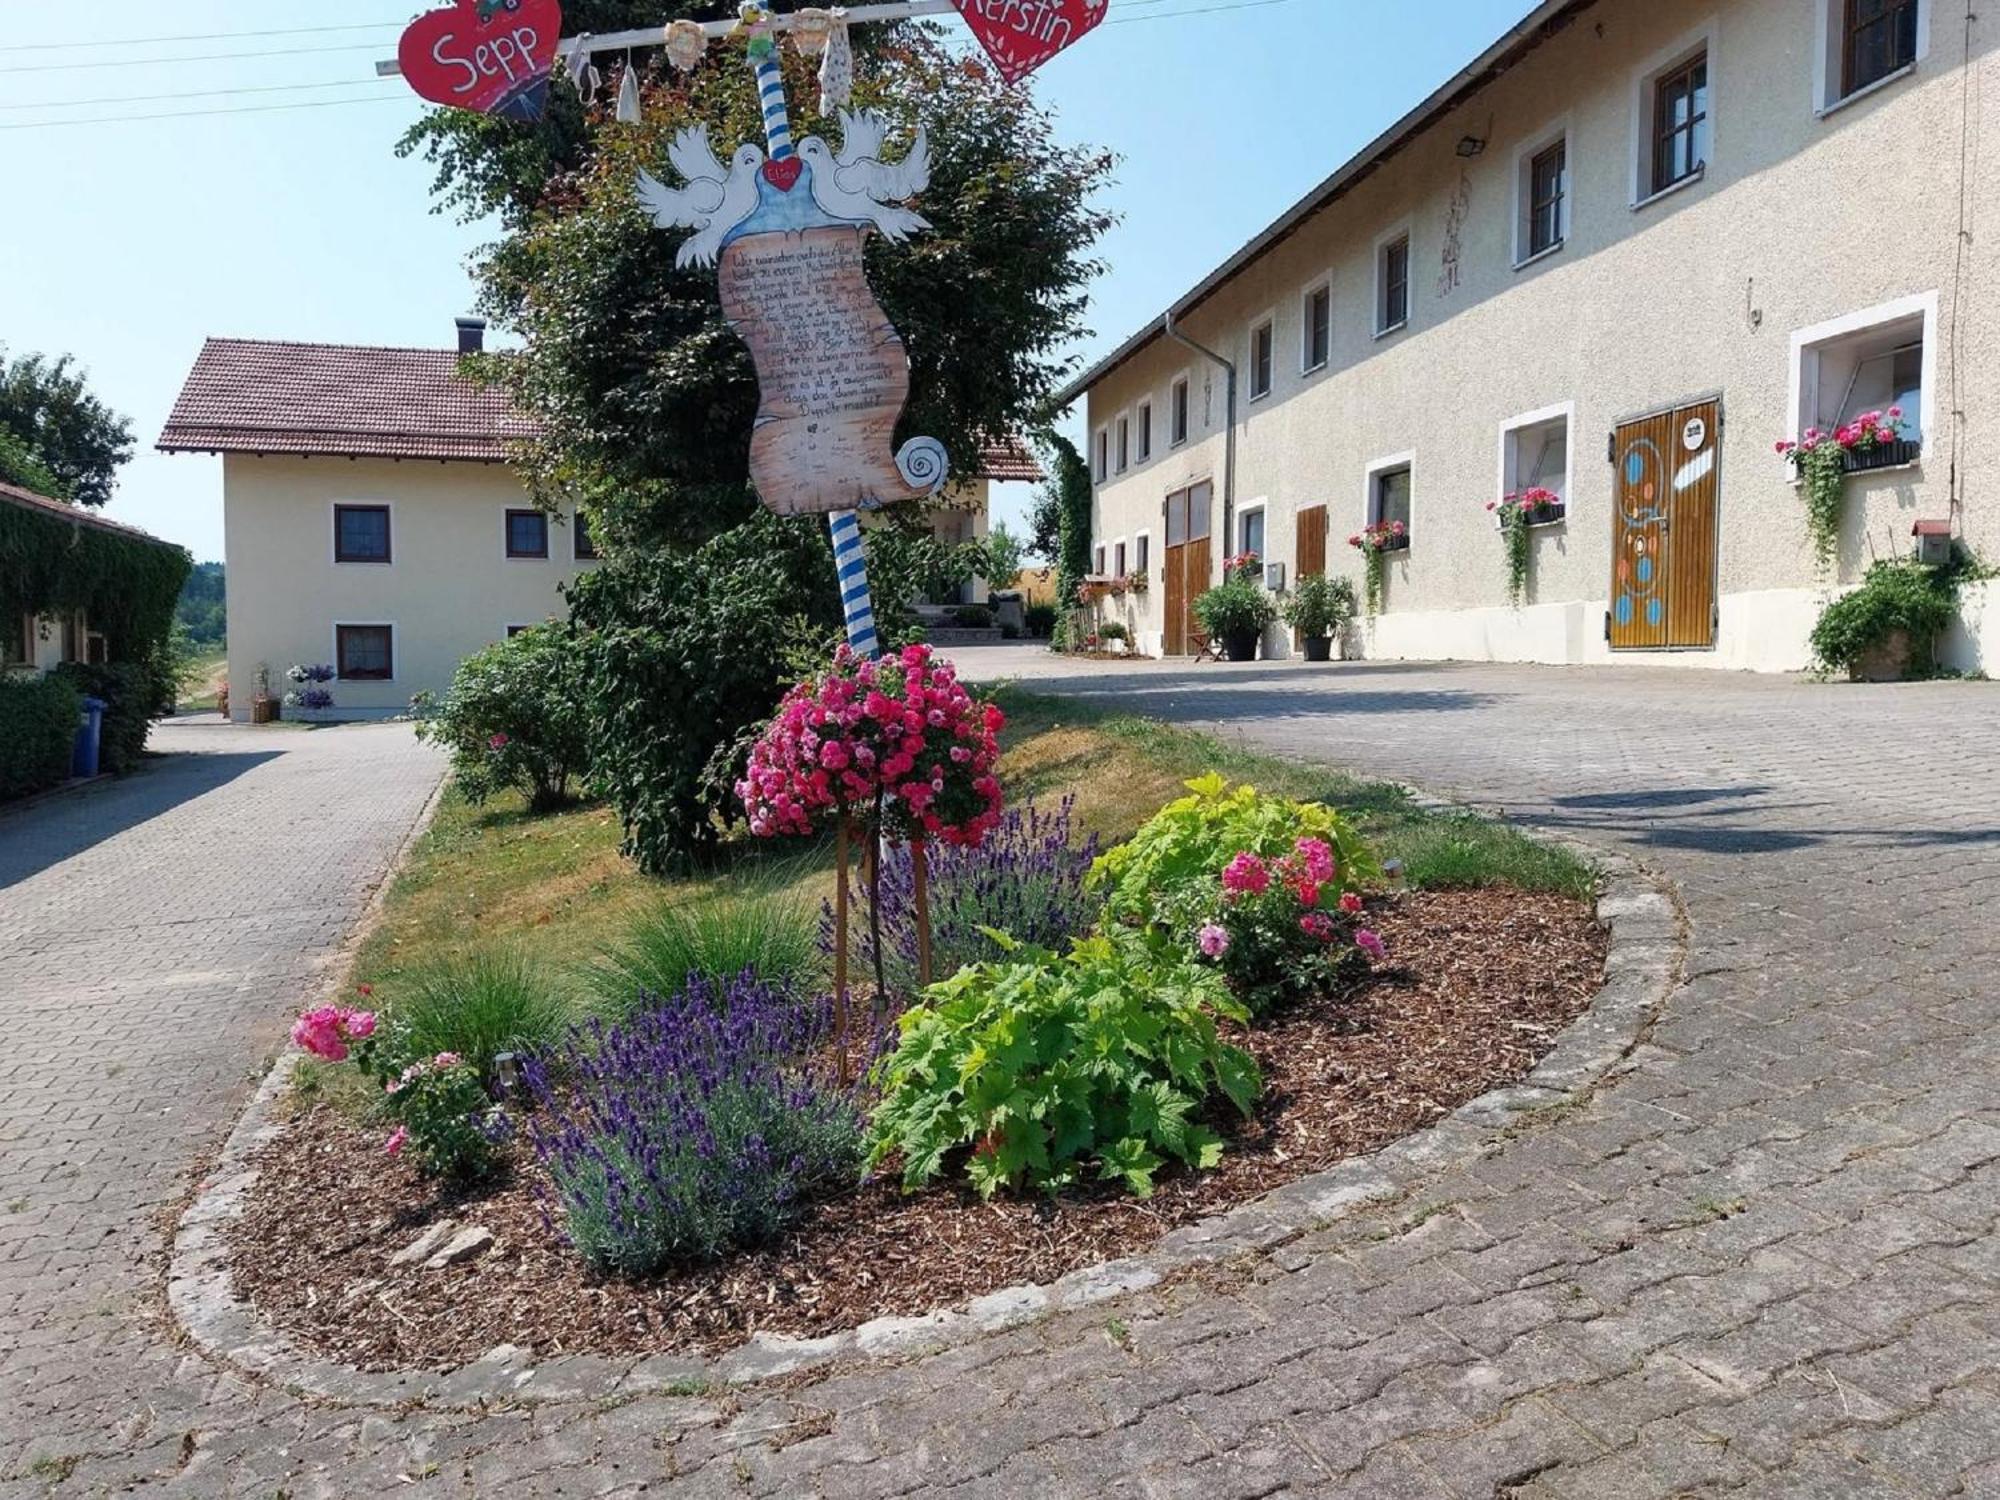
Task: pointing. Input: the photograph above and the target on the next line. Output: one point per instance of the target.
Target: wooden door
(1663, 528)
(1187, 563)
(1308, 553)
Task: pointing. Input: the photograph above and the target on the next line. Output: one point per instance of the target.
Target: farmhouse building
(1623, 253)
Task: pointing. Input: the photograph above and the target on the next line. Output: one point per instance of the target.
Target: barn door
(1309, 551)
(1663, 529)
(1187, 564)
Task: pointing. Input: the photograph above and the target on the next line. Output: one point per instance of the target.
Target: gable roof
(375, 401)
(1543, 21)
(344, 400)
(76, 515)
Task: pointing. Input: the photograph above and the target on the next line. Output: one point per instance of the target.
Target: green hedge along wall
(127, 585)
(37, 729)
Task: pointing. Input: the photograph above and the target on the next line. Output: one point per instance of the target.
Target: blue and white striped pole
(850, 555)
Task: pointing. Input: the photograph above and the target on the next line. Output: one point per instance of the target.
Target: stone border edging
(1642, 962)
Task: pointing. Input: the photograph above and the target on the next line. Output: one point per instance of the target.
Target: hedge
(134, 694)
(37, 730)
(128, 585)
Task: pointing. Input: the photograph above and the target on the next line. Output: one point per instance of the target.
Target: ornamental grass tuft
(768, 933)
(491, 1001)
(693, 1127)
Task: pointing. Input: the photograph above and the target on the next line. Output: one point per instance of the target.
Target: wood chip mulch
(1477, 986)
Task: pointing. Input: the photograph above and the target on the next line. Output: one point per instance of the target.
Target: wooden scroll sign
(832, 375)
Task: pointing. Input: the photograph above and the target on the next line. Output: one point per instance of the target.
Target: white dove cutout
(857, 184)
(712, 203)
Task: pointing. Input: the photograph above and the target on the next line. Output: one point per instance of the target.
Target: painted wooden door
(1663, 529)
(1308, 552)
(1186, 565)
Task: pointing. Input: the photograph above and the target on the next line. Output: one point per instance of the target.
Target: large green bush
(1234, 606)
(1893, 596)
(514, 718)
(37, 730)
(1044, 1065)
(134, 694)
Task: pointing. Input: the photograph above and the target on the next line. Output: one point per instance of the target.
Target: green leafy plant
(1375, 542)
(1043, 1067)
(1113, 630)
(772, 934)
(972, 617)
(134, 693)
(1165, 875)
(1234, 607)
(1516, 513)
(514, 717)
(492, 1001)
(1041, 620)
(37, 730)
(1893, 596)
(1320, 606)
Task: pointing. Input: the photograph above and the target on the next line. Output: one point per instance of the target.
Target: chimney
(471, 335)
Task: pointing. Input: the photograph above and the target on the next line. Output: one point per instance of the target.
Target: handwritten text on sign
(493, 56)
(1021, 35)
(831, 372)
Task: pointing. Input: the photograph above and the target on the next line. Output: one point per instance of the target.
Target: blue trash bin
(89, 733)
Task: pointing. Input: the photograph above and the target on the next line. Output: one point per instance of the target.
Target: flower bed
(1480, 984)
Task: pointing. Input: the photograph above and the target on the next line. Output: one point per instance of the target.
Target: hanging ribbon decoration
(850, 555)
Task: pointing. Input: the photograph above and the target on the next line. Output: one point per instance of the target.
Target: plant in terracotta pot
(1319, 609)
(1235, 612)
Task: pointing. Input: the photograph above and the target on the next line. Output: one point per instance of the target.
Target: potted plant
(1235, 612)
(308, 696)
(1375, 542)
(1873, 634)
(1115, 635)
(263, 707)
(1319, 609)
(1516, 513)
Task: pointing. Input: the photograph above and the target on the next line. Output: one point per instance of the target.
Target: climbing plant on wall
(127, 585)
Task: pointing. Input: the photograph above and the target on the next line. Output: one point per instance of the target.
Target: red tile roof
(1009, 460)
(76, 515)
(367, 401)
(348, 400)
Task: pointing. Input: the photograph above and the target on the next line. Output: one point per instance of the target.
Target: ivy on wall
(127, 585)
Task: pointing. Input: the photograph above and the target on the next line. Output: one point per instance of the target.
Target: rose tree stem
(840, 946)
(920, 880)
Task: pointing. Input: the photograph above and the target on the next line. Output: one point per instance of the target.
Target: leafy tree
(202, 611)
(1045, 525)
(49, 413)
(19, 466)
(1005, 553)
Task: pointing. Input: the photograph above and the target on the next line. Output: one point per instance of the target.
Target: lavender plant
(1026, 880)
(692, 1127)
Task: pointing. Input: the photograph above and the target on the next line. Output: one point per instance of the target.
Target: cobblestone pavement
(1762, 1260)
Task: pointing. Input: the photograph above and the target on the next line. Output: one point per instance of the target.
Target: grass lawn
(557, 887)
(204, 682)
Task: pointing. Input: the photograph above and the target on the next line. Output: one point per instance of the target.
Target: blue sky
(131, 241)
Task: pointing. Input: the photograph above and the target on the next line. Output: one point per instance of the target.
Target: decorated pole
(850, 553)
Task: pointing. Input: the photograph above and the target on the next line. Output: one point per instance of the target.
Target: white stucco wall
(1802, 218)
(449, 589)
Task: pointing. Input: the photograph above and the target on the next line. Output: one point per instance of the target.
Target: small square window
(514, 630)
(1877, 368)
(1536, 457)
(1392, 280)
(1680, 118)
(1316, 329)
(364, 653)
(1877, 38)
(1251, 528)
(527, 533)
(1145, 430)
(1260, 360)
(361, 533)
(1389, 497)
(1177, 412)
(583, 545)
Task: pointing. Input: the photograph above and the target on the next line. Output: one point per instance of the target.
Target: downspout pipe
(1229, 439)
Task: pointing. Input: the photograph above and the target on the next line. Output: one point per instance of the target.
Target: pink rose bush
(900, 733)
(439, 1103)
(1284, 929)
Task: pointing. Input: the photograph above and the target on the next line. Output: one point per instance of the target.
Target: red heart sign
(783, 173)
(1021, 35)
(493, 56)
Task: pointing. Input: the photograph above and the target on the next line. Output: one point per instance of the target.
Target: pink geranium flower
(1371, 944)
(1212, 940)
(1350, 902)
(398, 1138)
(1317, 924)
(1246, 875)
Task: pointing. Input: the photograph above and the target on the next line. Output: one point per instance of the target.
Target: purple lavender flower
(691, 1127)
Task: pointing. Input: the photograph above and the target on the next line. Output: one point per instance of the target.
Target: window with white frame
(1392, 283)
(1177, 412)
(1316, 328)
(1124, 443)
(1865, 42)
(1145, 430)
(1535, 454)
(1674, 118)
(1118, 559)
(1142, 553)
(1542, 186)
(1390, 493)
(1097, 560)
(1250, 531)
(1100, 459)
(1262, 338)
(1880, 360)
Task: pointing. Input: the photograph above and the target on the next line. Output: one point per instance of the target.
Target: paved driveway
(1764, 1260)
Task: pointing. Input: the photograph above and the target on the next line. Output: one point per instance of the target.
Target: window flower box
(1882, 456)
